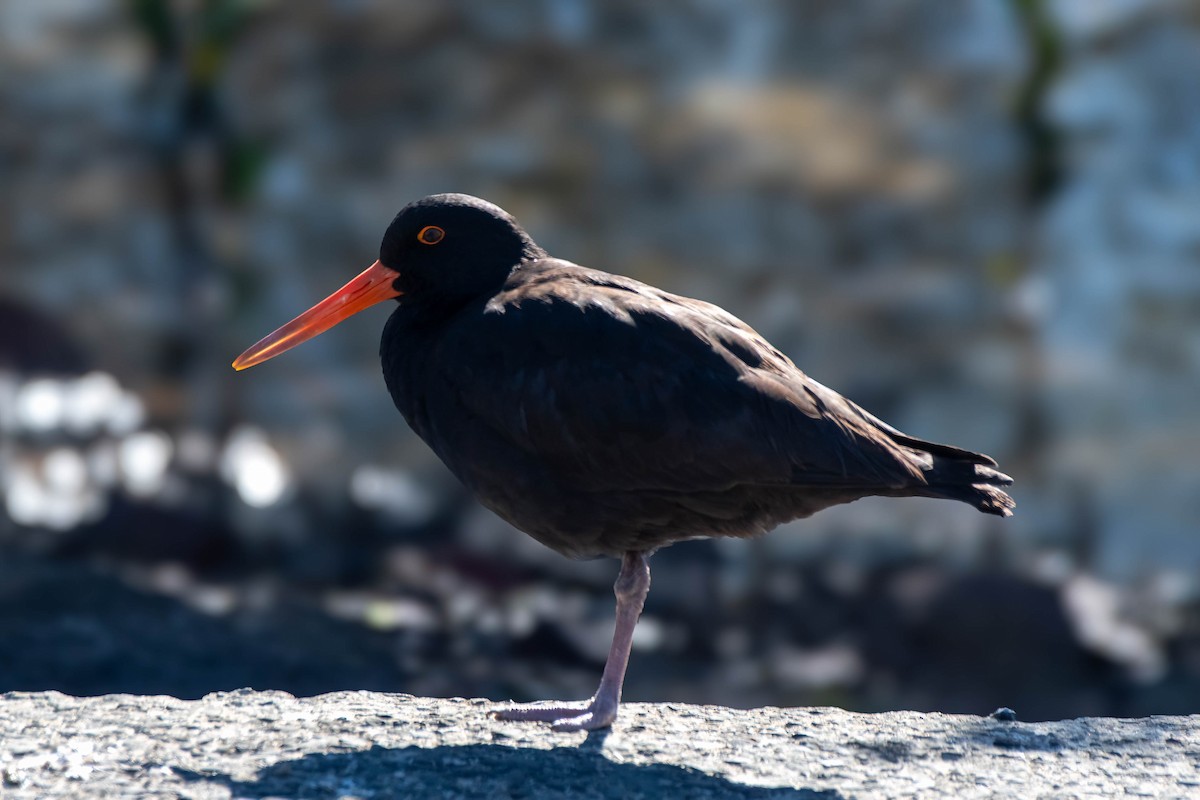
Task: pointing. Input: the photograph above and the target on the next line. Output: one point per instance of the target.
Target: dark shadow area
(486, 771)
(69, 628)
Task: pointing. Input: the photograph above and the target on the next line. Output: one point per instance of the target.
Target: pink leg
(599, 712)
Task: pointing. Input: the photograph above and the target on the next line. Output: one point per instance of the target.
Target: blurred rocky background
(981, 220)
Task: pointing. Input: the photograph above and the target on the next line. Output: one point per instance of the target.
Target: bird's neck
(405, 350)
(424, 306)
(423, 314)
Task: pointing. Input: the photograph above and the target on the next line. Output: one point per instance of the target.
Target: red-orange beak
(373, 285)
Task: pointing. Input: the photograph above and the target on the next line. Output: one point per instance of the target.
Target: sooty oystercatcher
(605, 417)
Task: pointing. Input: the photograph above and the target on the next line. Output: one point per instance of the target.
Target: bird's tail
(956, 474)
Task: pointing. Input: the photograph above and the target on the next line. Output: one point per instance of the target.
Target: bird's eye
(431, 234)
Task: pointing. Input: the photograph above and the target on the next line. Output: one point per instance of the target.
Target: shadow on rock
(486, 771)
(1050, 737)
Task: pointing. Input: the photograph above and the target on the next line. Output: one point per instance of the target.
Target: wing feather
(619, 386)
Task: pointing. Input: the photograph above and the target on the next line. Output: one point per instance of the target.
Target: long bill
(373, 285)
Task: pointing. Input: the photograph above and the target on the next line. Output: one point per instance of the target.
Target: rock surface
(248, 744)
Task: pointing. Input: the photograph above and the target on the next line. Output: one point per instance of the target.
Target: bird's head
(442, 249)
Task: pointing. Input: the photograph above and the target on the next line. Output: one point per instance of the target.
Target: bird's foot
(588, 715)
(599, 712)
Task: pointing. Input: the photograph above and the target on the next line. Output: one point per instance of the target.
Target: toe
(587, 716)
(589, 721)
(583, 722)
(551, 713)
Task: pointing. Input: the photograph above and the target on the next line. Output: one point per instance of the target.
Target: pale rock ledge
(364, 745)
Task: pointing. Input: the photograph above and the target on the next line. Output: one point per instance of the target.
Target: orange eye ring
(431, 234)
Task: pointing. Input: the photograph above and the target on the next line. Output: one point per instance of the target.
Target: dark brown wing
(616, 385)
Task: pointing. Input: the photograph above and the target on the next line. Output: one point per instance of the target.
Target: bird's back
(602, 415)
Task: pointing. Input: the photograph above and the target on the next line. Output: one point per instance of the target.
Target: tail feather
(942, 450)
(975, 484)
(951, 473)
(955, 474)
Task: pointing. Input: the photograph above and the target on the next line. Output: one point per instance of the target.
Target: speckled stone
(249, 744)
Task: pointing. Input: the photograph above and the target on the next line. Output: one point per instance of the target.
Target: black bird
(605, 417)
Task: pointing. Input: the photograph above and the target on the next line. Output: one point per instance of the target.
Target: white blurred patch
(65, 471)
(649, 634)
(254, 468)
(196, 451)
(143, 458)
(393, 492)
(819, 667)
(216, 601)
(102, 464)
(40, 405)
(80, 406)
(382, 612)
(56, 496)
(1096, 612)
(1033, 299)
(24, 497)
(126, 415)
(64, 486)
(89, 402)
